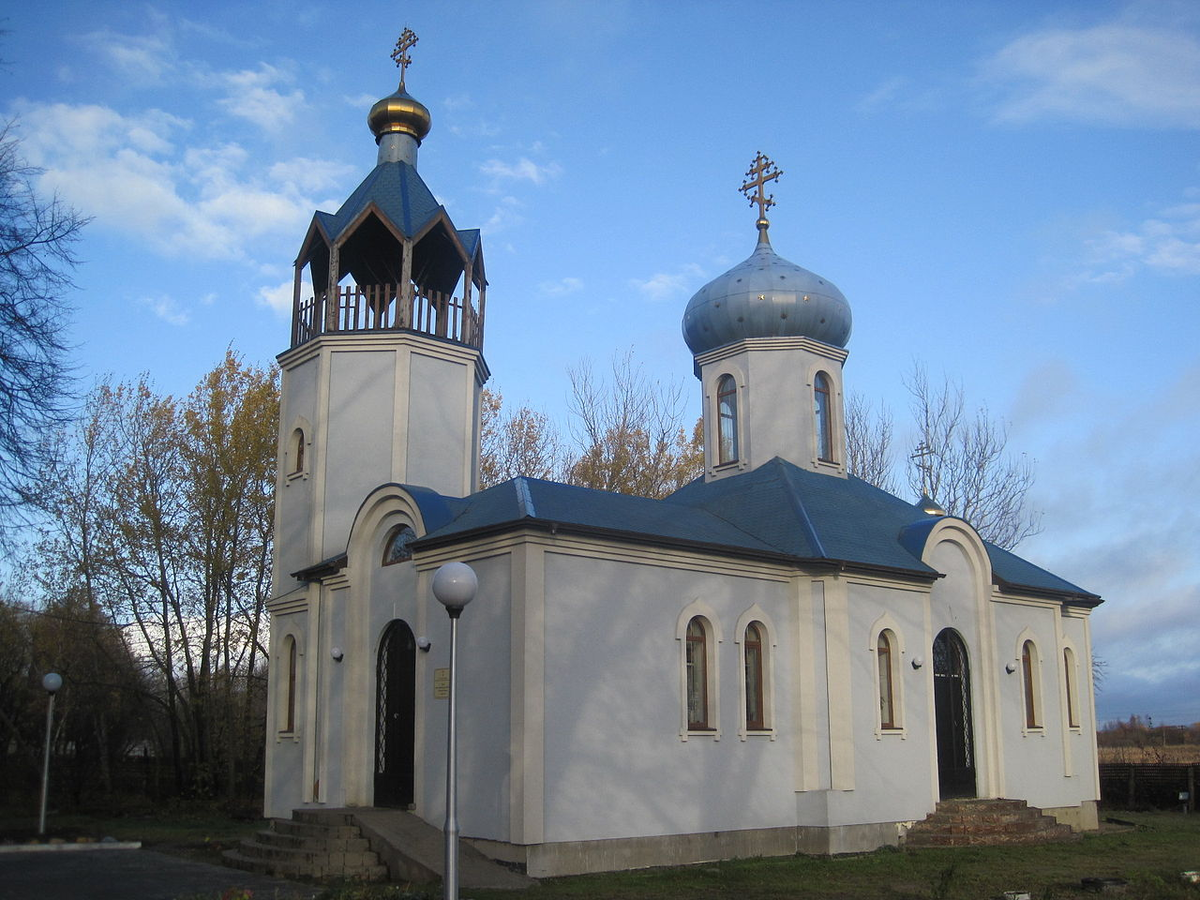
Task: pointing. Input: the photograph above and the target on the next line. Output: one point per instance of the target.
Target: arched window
(1029, 674)
(753, 654)
(297, 452)
(696, 659)
(885, 659)
(727, 423)
(821, 407)
(289, 716)
(1072, 699)
(398, 546)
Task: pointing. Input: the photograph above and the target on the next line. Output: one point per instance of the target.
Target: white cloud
(1111, 74)
(663, 286)
(167, 309)
(1168, 243)
(252, 95)
(128, 173)
(504, 216)
(524, 169)
(143, 59)
(307, 174)
(279, 298)
(563, 286)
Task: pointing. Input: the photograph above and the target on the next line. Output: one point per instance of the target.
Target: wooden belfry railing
(382, 307)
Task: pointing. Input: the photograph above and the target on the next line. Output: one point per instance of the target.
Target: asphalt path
(125, 874)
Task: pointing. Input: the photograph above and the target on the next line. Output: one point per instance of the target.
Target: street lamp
(454, 586)
(52, 681)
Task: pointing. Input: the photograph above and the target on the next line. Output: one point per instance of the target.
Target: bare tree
(36, 255)
(963, 463)
(869, 443)
(630, 433)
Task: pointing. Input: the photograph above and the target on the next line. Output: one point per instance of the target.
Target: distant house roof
(777, 511)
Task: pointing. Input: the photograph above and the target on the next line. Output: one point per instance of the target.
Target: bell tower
(382, 379)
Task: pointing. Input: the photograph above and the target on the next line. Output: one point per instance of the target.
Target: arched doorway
(395, 715)
(952, 708)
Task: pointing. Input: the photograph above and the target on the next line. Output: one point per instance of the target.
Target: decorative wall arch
(298, 452)
(701, 611)
(836, 413)
(712, 416)
(756, 615)
(1030, 667)
(889, 681)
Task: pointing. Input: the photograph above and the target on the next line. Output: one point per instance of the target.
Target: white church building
(778, 657)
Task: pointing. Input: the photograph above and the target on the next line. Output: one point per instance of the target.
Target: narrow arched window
(398, 546)
(887, 691)
(297, 451)
(290, 702)
(1029, 674)
(727, 423)
(697, 674)
(821, 408)
(1072, 699)
(752, 650)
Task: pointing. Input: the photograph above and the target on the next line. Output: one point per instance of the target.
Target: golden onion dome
(399, 113)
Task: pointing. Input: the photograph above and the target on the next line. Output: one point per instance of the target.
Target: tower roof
(765, 295)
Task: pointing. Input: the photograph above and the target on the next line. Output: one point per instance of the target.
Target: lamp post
(454, 586)
(52, 681)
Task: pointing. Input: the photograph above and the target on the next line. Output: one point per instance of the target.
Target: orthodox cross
(922, 454)
(760, 172)
(407, 39)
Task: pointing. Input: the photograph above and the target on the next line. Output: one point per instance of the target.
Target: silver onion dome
(765, 296)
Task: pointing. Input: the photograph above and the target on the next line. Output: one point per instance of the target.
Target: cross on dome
(408, 39)
(761, 171)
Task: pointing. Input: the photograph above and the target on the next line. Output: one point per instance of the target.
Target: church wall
(284, 778)
(892, 774)
(437, 453)
(294, 506)
(616, 763)
(1052, 764)
(484, 690)
(360, 413)
(780, 419)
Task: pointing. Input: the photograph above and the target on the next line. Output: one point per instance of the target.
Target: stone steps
(966, 823)
(311, 845)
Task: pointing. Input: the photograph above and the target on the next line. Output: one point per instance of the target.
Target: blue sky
(1006, 191)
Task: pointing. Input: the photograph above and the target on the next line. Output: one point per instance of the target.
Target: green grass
(1150, 857)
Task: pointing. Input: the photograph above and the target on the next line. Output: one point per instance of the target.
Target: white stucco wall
(615, 762)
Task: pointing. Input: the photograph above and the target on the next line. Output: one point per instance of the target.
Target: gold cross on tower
(407, 39)
(760, 172)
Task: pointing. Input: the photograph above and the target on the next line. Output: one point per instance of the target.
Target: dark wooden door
(395, 716)
(952, 707)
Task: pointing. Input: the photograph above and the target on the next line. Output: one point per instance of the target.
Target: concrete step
(313, 847)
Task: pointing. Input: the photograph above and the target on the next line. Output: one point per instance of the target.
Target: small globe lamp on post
(454, 586)
(51, 682)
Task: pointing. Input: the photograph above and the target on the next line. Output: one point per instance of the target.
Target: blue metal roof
(398, 191)
(777, 510)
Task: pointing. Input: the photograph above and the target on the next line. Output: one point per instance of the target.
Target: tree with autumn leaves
(155, 519)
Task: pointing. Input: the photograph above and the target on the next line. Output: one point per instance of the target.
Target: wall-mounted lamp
(1010, 667)
(423, 644)
(337, 654)
(918, 661)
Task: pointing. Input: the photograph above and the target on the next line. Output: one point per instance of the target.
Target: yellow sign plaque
(441, 684)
